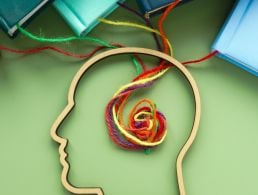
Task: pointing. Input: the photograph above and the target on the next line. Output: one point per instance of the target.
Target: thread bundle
(146, 126)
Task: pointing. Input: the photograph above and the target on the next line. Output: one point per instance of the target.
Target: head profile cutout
(71, 103)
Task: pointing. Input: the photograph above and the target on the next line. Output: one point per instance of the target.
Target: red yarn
(210, 55)
(65, 53)
(160, 25)
(56, 49)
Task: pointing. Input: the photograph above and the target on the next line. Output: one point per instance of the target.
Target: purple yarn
(121, 140)
(137, 86)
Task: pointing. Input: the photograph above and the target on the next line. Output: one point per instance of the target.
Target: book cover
(81, 15)
(150, 7)
(238, 40)
(13, 12)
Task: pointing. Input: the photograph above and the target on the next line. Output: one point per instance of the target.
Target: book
(238, 40)
(13, 12)
(81, 15)
(150, 7)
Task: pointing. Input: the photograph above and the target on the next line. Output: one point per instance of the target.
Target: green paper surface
(223, 160)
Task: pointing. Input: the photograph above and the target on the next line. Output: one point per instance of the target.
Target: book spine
(70, 17)
(144, 5)
(4, 25)
(105, 14)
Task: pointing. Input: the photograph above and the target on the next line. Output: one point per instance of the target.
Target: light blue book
(238, 39)
(82, 15)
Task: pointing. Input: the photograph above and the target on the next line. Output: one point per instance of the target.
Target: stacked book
(82, 15)
(238, 40)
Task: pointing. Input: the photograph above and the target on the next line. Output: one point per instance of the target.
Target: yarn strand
(49, 47)
(130, 24)
(146, 20)
(207, 57)
(161, 21)
(135, 25)
(136, 60)
(63, 39)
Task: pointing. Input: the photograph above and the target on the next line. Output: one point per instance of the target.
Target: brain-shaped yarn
(146, 126)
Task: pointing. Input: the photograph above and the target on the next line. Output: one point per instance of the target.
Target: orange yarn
(160, 24)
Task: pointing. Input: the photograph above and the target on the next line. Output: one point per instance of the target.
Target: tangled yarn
(146, 126)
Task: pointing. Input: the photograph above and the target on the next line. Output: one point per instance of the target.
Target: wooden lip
(71, 102)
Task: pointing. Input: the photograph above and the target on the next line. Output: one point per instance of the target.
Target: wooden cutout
(71, 103)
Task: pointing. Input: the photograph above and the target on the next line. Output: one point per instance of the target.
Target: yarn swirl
(146, 126)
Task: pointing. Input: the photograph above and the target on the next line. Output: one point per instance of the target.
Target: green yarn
(137, 65)
(63, 39)
(147, 151)
(73, 38)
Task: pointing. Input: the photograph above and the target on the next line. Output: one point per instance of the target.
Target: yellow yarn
(121, 129)
(142, 81)
(130, 24)
(135, 25)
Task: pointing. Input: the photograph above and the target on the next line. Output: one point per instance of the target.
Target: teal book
(13, 12)
(82, 15)
(238, 40)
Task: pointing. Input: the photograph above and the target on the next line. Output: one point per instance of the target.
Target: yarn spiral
(146, 126)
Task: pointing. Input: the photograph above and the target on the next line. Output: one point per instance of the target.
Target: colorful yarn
(137, 61)
(63, 39)
(160, 24)
(146, 20)
(146, 126)
(161, 21)
(135, 25)
(129, 24)
(49, 47)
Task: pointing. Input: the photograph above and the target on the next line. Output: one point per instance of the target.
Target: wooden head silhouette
(71, 103)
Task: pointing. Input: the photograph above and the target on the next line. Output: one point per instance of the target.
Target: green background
(33, 90)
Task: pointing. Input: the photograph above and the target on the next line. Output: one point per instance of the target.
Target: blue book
(13, 12)
(150, 7)
(238, 40)
(82, 15)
